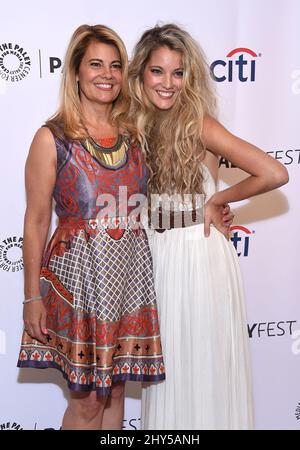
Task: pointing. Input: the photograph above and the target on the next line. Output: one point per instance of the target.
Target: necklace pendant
(109, 156)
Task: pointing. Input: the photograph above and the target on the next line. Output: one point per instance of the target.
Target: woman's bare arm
(265, 172)
(40, 175)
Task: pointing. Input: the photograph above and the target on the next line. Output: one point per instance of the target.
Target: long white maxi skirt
(204, 335)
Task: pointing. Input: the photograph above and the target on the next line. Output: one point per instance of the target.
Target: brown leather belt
(162, 220)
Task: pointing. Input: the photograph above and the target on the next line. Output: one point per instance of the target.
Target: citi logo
(226, 70)
(241, 238)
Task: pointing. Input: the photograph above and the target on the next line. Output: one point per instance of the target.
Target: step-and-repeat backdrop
(254, 52)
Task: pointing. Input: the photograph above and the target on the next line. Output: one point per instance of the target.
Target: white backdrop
(262, 107)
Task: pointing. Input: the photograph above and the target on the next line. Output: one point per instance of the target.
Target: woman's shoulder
(42, 150)
(210, 124)
(55, 136)
(43, 140)
(44, 135)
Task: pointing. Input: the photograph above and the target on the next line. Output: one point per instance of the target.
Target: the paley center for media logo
(15, 63)
(11, 259)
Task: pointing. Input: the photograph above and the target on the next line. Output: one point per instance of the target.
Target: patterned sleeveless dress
(96, 277)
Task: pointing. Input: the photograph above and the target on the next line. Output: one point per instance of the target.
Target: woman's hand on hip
(218, 215)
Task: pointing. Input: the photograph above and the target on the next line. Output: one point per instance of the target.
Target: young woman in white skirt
(197, 275)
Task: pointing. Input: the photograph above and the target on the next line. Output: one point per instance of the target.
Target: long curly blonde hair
(67, 121)
(172, 139)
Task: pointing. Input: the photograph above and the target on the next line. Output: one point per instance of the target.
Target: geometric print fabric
(107, 277)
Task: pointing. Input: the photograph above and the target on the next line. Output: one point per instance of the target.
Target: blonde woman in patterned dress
(90, 307)
(197, 276)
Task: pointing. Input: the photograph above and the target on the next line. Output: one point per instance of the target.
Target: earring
(78, 89)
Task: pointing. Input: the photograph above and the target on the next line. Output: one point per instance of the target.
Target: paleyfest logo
(15, 63)
(128, 424)
(240, 64)
(285, 156)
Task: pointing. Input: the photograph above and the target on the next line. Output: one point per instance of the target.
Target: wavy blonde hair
(67, 121)
(172, 139)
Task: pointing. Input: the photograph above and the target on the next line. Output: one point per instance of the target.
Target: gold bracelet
(32, 299)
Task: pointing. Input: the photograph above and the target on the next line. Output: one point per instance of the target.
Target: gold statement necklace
(110, 156)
